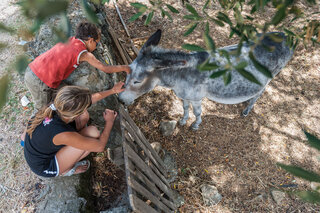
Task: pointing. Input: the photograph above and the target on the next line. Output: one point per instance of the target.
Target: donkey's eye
(136, 82)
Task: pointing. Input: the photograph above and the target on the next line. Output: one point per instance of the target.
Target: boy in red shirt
(46, 72)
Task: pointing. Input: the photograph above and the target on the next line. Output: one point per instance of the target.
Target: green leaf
(149, 18)
(313, 140)
(227, 79)
(167, 14)
(64, 31)
(50, 8)
(4, 28)
(261, 68)
(239, 47)
(192, 47)
(311, 1)
(249, 18)
(152, 3)
(192, 17)
(138, 5)
(296, 44)
(279, 16)
(253, 9)
(3, 45)
(4, 88)
(289, 32)
(172, 9)
(21, 63)
(220, 23)
(90, 14)
(299, 172)
(207, 66)
(209, 42)
(248, 76)
(224, 17)
(135, 16)
(309, 196)
(218, 73)
(241, 65)
(225, 54)
(275, 37)
(192, 10)
(206, 30)
(191, 29)
(205, 5)
(105, 1)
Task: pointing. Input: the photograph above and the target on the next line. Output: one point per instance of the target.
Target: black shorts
(51, 170)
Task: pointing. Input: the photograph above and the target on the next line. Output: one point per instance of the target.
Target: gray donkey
(177, 70)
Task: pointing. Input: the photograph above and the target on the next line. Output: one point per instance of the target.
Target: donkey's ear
(153, 40)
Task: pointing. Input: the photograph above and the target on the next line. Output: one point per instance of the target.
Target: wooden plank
(139, 175)
(126, 161)
(129, 59)
(156, 200)
(139, 206)
(147, 146)
(149, 152)
(155, 169)
(114, 37)
(143, 166)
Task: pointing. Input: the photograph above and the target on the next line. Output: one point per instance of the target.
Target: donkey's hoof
(245, 113)
(182, 122)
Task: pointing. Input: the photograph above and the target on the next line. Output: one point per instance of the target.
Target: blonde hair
(70, 102)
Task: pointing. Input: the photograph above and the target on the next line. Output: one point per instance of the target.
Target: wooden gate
(148, 188)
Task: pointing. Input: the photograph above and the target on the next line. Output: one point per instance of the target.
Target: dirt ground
(237, 155)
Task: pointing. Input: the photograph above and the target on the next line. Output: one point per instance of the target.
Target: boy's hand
(109, 115)
(118, 87)
(127, 69)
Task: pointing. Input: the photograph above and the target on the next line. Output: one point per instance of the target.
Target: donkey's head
(144, 76)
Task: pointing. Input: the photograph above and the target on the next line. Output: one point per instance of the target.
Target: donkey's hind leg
(252, 101)
(196, 105)
(183, 121)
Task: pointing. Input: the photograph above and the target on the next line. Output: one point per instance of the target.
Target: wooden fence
(148, 188)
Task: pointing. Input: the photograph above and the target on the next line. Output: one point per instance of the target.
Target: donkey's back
(240, 89)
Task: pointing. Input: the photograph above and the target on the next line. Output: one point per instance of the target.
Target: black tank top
(40, 150)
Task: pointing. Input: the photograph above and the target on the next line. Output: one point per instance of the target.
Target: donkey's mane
(156, 52)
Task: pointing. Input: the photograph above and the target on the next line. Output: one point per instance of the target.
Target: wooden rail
(146, 175)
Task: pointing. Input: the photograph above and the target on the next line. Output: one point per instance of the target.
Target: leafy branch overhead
(159, 6)
(243, 26)
(309, 196)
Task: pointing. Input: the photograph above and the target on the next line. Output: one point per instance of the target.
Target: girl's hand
(109, 115)
(118, 87)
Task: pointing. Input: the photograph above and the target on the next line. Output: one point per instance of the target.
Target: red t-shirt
(59, 62)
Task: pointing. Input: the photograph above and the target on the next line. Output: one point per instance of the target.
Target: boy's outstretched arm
(117, 88)
(92, 60)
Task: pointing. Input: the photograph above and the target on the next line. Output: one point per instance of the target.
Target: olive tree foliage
(312, 196)
(243, 26)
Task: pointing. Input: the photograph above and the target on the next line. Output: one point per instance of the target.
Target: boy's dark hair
(87, 30)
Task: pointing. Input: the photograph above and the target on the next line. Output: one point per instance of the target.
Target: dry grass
(237, 155)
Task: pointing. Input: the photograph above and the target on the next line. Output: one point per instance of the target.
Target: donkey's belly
(233, 100)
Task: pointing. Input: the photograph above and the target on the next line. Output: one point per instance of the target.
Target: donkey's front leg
(183, 121)
(196, 105)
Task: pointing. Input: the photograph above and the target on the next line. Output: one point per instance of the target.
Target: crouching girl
(58, 138)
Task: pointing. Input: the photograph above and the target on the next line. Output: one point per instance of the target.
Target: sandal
(73, 170)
